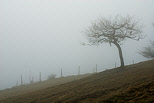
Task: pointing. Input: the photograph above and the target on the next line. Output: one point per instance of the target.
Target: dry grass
(134, 83)
(29, 88)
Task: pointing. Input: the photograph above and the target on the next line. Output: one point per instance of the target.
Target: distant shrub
(52, 76)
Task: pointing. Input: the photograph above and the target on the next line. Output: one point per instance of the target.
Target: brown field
(134, 84)
(29, 88)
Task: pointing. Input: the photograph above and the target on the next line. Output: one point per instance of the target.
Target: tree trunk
(120, 55)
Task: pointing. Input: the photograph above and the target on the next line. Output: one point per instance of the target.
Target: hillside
(29, 88)
(134, 83)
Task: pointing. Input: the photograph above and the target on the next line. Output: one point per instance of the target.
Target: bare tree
(148, 51)
(114, 31)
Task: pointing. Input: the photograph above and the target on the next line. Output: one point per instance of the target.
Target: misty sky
(46, 35)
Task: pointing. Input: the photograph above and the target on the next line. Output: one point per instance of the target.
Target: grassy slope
(134, 83)
(29, 88)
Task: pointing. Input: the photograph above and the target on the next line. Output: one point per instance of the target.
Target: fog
(46, 35)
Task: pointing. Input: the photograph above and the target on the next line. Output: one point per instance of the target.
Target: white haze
(46, 35)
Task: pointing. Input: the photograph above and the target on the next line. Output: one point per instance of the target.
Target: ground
(134, 84)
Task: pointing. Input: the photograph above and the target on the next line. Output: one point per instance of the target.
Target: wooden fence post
(133, 61)
(40, 77)
(96, 68)
(21, 80)
(61, 72)
(79, 70)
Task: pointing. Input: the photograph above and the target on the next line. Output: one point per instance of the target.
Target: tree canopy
(110, 30)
